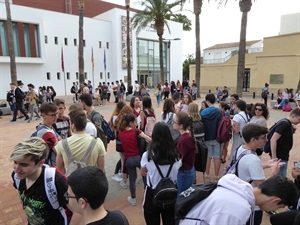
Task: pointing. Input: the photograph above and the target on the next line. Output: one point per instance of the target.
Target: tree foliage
(186, 66)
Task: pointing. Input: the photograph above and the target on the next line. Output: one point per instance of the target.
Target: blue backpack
(109, 133)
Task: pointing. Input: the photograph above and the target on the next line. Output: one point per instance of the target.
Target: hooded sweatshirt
(211, 117)
(232, 202)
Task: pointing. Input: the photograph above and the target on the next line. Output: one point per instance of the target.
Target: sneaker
(115, 177)
(28, 121)
(13, 120)
(123, 184)
(131, 201)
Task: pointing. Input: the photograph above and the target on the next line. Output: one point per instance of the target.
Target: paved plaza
(11, 211)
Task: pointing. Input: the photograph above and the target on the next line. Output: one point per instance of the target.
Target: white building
(42, 35)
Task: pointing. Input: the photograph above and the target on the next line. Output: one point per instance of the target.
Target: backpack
(150, 123)
(174, 133)
(165, 193)
(198, 129)
(264, 94)
(232, 168)
(187, 199)
(50, 189)
(122, 88)
(224, 131)
(74, 164)
(167, 89)
(287, 108)
(72, 90)
(267, 147)
(200, 155)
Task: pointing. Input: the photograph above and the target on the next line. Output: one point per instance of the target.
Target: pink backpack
(150, 123)
(287, 108)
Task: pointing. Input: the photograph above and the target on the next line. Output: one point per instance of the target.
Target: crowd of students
(84, 191)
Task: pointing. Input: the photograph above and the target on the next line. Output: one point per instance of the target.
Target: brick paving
(11, 212)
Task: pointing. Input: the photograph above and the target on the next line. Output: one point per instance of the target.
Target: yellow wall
(281, 55)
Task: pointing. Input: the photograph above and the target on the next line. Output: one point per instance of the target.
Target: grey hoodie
(231, 203)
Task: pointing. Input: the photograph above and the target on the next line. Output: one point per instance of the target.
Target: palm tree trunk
(241, 55)
(298, 86)
(161, 61)
(11, 47)
(80, 46)
(198, 53)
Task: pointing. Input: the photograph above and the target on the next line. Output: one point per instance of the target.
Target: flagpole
(104, 61)
(63, 69)
(93, 70)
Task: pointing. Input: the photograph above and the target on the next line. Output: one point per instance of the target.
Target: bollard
(253, 95)
(272, 96)
(209, 91)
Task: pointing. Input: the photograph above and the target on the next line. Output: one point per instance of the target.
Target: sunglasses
(257, 109)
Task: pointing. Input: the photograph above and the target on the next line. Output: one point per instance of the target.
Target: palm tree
(11, 47)
(245, 7)
(180, 18)
(80, 46)
(197, 12)
(155, 10)
(127, 4)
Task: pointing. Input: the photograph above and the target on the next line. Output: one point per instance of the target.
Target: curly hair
(125, 121)
(169, 106)
(124, 111)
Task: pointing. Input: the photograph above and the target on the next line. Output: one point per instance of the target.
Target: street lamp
(127, 4)
(168, 40)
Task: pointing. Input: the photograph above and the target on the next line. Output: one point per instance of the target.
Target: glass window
(83, 43)
(75, 42)
(107, 45)
(66, 41)
(108, 75)
(55, 40)
(37, 40)
(101, 75)
(46, 39)
(85, 75)
(68, 76)
(16, 39)
(58, 75)
(48, 76)
(77, 75)
(27, 40)
(100, 44)
(3, 38)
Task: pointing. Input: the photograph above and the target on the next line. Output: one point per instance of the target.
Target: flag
(104, 60)
(62, 60)
(92, 59)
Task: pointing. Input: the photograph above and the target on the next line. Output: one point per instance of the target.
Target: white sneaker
(115, 177)
(123, 184)
(131, 201)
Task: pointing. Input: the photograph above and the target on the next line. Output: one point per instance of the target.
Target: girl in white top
(238, 122)
(187, 99)
(163, 151)
(168, 111)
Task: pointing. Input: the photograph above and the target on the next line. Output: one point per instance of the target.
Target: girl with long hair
(168, 110)
(132, 159)
(187, 99)
(187, 147)
(147, 111)
(239, 121)
(135, 104)
(164, 153)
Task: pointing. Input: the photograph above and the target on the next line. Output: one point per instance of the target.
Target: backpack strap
(49, 183)
(237, 160)
(89, 149)
(67, 149)
(170, 119)
(146, 113)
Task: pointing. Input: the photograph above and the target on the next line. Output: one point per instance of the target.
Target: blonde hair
(193, 111)
(34, 147)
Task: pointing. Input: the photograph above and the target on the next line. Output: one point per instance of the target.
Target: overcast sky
(222, 25)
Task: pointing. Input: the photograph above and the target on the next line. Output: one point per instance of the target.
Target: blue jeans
(283, 103)
(185, 179)
(158, 98)
(283, 168)
(131, 164)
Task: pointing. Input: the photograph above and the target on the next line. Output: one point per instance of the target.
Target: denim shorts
(214, 149)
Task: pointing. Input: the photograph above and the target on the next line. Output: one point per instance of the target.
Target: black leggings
(118, 167)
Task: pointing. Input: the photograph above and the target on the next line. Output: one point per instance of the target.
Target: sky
(222, 24)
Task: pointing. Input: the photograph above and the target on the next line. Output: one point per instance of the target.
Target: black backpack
(190, 197)
(165, 193)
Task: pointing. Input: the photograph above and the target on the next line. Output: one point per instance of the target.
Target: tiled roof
(231, 45)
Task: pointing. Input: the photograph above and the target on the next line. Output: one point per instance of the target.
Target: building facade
(46, 45)
(277, 64)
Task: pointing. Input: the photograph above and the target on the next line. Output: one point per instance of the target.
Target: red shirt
(129, 143)
(186, 147)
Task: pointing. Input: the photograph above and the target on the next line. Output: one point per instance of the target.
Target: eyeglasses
(68, 196)
(53, 115)
(258, 109)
